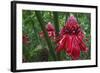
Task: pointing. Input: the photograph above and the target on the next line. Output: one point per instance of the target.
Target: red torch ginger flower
(50, 29)
(71, 39)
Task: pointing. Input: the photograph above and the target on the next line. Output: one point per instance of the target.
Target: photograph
(63, 36)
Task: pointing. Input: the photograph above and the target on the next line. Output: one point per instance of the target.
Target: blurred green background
(43, 49)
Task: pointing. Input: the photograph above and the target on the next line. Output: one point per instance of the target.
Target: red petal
(68, 44)
(51, 33)
(61, 44)
(75, 49)
(81, 35)
(82, 45)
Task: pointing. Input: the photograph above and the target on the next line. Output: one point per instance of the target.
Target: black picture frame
(13, 34)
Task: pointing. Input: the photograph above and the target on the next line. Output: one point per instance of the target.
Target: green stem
(55, 14)
(51, 49)
(36, 34)
(67, 15)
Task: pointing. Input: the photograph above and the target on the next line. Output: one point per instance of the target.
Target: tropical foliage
(37, 48)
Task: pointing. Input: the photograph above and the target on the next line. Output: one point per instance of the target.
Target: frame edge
(13, 36)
